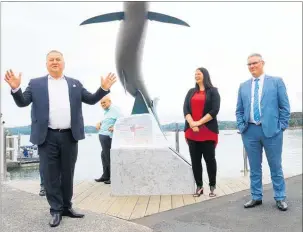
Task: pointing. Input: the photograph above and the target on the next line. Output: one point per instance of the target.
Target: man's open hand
(12, 80)
(106, 83)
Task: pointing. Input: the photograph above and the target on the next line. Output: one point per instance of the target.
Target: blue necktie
(256, 101)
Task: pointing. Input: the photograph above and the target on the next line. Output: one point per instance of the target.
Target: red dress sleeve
(197, 105)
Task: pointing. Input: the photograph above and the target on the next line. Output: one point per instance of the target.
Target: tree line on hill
(295, 122)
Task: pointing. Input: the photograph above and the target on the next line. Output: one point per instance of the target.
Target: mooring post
(177, 138)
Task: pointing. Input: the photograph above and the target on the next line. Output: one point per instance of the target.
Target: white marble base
(143, 164)
(149, 171)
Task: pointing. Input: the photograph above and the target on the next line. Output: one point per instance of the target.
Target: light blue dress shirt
(110, 117)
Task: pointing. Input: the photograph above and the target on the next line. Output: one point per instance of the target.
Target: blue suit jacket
(275, 109)
(37, 93)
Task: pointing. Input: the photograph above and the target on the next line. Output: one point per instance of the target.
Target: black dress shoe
(282, 205)
(107, 182)
(101, 179)
(42, 192)
(55, 220)
(252, 203)
(72, 213)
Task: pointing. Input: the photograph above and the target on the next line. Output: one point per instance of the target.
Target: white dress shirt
(59, 103)
(261, 81)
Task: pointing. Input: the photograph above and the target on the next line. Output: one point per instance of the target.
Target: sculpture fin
(165, 18)
(140, 105)
(116, 16)
(104, 18)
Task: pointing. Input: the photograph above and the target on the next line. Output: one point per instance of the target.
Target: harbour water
(229, 154)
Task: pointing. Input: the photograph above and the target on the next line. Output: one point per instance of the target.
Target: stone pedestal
(142, 162)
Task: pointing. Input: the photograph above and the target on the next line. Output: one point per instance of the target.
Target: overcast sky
(220, 38)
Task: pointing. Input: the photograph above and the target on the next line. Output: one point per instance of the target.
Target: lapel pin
(74, 85)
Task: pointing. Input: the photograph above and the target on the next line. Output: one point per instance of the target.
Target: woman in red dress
(201, 107)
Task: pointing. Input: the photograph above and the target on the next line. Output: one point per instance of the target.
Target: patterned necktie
(256, 101)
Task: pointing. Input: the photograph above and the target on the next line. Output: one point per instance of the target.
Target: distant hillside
(26, 130)
(296, 115)
(295, 121)
(223, 125)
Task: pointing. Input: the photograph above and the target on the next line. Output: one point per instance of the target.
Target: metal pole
(245, 159)
(245, 170)
(177, 138)
(2, 151)
(5, 151)
(19, 144)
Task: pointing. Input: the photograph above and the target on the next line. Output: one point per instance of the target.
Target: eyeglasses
(253, 63)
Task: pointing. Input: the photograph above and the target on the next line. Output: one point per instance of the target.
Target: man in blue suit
(57, 126)
(263, 114)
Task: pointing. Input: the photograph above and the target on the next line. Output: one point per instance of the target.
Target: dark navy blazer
(37, 94)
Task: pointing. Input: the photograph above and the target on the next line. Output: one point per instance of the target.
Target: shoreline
(165, 131)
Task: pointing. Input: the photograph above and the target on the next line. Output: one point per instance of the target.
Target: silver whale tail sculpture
(129, 48)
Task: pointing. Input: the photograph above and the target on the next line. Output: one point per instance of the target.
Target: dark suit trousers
(106, 143)
(58, 155)
(207, 149)
(41, 175)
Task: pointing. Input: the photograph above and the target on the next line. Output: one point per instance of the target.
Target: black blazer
(212, 107)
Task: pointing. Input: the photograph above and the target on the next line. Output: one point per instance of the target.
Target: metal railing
(9, 149)
(177, 138)
(12, 148)
(3, 169)
(245, 158)
(245, 164)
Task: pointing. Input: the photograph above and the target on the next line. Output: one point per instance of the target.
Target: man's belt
(60, 130)
(255, 124)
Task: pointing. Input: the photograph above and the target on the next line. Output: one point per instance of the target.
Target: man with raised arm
(57, 126)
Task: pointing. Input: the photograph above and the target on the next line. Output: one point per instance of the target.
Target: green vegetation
(295, 119)
(295, 122)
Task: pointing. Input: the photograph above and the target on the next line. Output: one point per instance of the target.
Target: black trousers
(106, 143)
(207, 149)
(58, 155)
(41, 175)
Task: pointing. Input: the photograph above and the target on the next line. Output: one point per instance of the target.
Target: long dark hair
(206, 79)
